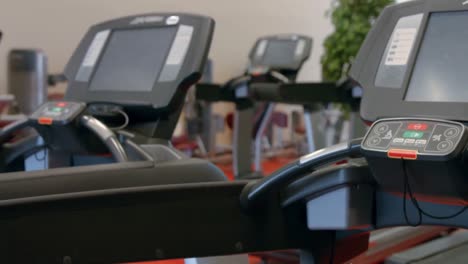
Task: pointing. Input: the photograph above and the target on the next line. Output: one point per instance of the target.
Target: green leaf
(352, 21)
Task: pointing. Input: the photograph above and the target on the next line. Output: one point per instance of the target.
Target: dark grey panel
(132, 60)
(164, 92)
(440, 72)
(36, 186)
(84, 73)
(280, 52)
(394, 62)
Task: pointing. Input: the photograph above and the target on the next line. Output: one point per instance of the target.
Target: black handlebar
(299, 93)
(253, 193)
(54, 79)
(98, 128)
(7, 131)
(294, 93)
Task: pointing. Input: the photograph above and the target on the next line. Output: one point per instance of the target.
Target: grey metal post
(315, 137)
(259, 136)
(242, 141)
(309, 130)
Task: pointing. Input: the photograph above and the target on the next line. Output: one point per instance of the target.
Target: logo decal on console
(146, 19)
(172, 20)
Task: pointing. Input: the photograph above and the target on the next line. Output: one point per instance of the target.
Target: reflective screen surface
(440, 73)
(280, 52)
(132, 60)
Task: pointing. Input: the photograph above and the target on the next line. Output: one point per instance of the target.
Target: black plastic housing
(445, 179)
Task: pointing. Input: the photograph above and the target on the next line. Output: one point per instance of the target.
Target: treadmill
(274, 64)
(98, 181)
(411, 67)
(273, 59)
(414, 71)
(145, 206)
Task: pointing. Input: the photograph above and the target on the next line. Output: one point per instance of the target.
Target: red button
(45, 120)
(406, 154)
(417, 126)
(61, 104)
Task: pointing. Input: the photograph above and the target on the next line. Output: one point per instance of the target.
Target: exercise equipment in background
(263, 85)
(99, 117)
(275, 59)
(28, 84)
(384, 183)
(27, 79)
(200, 124)
(6, 101)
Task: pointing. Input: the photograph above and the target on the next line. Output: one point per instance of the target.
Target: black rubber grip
(252, 194)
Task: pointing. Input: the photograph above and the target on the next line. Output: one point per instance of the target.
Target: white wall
(56, 26)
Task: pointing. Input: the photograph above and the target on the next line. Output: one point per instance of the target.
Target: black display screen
(132, 60)
(280, 53)
(440, 73)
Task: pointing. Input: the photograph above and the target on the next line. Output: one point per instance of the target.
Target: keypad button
(382, 128)
(444, 145)
(374, 141)
(451, 132)
(417, 126)
(421, 142)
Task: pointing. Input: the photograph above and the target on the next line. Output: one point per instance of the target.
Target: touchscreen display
(132, 60)
(280, 53)
(440, 73)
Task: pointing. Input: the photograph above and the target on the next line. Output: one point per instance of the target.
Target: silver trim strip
(323, 152)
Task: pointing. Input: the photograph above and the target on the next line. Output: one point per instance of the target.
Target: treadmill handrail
(254, 193)
(293, 93)
(300, 93)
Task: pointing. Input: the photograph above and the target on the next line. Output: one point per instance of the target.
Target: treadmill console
(143, 64)
(413, 62)
(57, 113)
(279, 52)
(413, 139)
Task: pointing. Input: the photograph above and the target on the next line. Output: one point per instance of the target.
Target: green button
(57, 109)
(413, 134)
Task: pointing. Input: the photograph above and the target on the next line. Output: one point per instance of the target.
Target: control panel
(414, 138)
(57, 113)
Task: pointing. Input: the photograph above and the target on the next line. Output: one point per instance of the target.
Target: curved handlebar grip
(107, 136)
(208, 92)
(7, 131)
(266, 91)
(253, 193)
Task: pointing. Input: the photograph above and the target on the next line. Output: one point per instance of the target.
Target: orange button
(61, 104)
(402, 154)
(45, 121)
